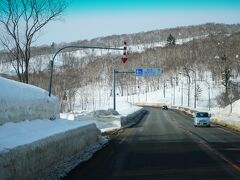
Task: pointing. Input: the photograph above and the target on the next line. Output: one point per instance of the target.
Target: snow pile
(19, 101)
(105, 112)
(26, 132)
(106, 120)
(133, 118)
(34, 149)
(131, 110)
(68, 116)
(225, 117)
(102, 119)
(235, 109)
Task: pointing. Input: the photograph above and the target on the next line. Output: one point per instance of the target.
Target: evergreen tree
(171, 41)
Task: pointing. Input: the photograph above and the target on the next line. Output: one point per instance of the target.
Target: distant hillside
(161, 35)
(145, 37)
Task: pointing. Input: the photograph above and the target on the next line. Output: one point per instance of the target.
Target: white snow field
(19, 101)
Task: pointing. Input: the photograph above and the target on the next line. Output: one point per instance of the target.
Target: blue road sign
(139, 72)
(148, 72)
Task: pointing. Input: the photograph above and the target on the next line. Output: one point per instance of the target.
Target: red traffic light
(124, 59)
(124, 56)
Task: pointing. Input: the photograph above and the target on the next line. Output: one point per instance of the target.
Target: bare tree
(21, 21)
(198, 92)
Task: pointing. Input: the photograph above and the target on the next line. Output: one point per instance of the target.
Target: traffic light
(124, 56)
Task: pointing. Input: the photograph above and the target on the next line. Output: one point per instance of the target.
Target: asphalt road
(165, 145)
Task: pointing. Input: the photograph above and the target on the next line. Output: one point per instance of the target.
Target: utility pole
(51, 70)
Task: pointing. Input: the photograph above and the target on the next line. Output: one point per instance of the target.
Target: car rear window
(202, 114)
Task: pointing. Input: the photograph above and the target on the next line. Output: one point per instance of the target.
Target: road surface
(165, 145)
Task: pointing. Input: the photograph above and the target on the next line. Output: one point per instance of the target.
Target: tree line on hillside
(217, 54)
(21, 55)
(149, 37)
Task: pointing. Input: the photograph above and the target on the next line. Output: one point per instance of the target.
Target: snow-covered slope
(142, 47)
(41, 63)
(19, 101)
(225, 117)
(235, 109)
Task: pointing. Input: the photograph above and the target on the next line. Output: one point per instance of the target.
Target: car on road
(164, 107)
(202, 119)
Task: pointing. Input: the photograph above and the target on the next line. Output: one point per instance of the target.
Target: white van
(202, 119)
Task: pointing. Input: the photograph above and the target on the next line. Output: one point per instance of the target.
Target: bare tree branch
(22, 20)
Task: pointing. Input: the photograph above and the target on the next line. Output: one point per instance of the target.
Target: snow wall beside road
(35, 160)
(19, 102)
(133, 118)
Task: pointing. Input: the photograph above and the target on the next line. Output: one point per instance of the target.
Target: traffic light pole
(114, 84)
(80, 47)
(114, 92)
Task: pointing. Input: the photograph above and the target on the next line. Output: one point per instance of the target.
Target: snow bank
(68, 116)
(19, 101)
(235, 109)
(226, 118)
(26, 132)
(104, 123)
(150, 104)
(107, 120)
(31, 149)
(105, 112)
(227, 121)
(130, 110)
(132, 118)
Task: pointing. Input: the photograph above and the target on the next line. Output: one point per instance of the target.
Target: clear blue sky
(86, 19)
(99, 6)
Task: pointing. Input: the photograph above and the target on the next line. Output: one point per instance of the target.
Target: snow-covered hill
(41, 63)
